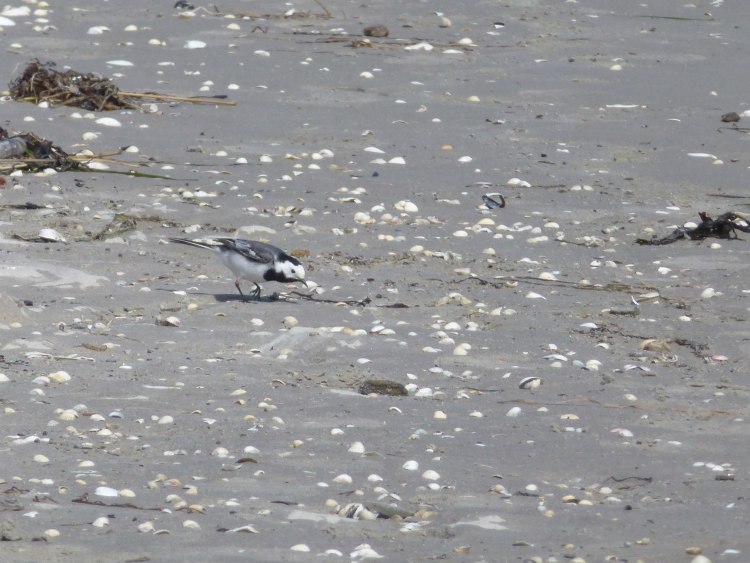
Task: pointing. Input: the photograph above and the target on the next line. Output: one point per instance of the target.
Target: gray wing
(250, 249)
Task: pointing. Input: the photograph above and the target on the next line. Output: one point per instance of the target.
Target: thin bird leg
(256, 292)
(237, 285)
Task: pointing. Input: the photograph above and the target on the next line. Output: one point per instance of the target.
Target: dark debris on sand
(43, 83)
(725, 226)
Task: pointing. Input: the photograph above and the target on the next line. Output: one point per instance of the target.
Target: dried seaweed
(41, 82)
(32, 153)
(724, 226)
(38, 153)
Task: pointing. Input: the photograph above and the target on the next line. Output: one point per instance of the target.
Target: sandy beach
(571, 395)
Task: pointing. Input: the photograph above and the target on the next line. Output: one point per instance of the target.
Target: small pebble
(375, 31)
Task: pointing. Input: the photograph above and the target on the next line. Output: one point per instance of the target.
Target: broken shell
(356, 511)
(146, 527)
(530, 382)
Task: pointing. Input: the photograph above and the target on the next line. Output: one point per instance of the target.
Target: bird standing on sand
(253, 261)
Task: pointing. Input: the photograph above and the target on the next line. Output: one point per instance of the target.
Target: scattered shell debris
(477, 320)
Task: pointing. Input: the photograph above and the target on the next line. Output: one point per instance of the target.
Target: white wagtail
(253, 261)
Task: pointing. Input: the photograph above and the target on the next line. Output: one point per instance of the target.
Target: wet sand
(233, 435)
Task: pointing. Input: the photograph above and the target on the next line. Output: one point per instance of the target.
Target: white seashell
(406, 206)
(410, 465)
(364, 551)
(357, 448)
(708, 293)
(514, 412)
(166, 419)
(52, 533)
(462, 349)
(17, 12)
(60, 377)
(120, 63)
(431, 475)
(301, 547)
(517, 182)
(106, 492)
(465, 159)
(559, 357)
(94, 165)
(397, 160)
(95, 30)
(191, 524)
(343, 479)
(421, 46)
(51, 235)
(108, 122)
(68, 414)
(248, 528)
(195, 44)
(39, 458)
(624, 432)
(534, 295)
(100, 522)
(146, 527)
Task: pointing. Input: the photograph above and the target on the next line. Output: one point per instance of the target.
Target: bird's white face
(292, 271)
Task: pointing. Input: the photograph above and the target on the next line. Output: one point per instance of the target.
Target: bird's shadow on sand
(229, 297)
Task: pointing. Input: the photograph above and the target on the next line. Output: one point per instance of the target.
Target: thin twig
(167, 97)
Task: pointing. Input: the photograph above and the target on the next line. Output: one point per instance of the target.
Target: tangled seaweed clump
(725, 226)
(42, 83)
